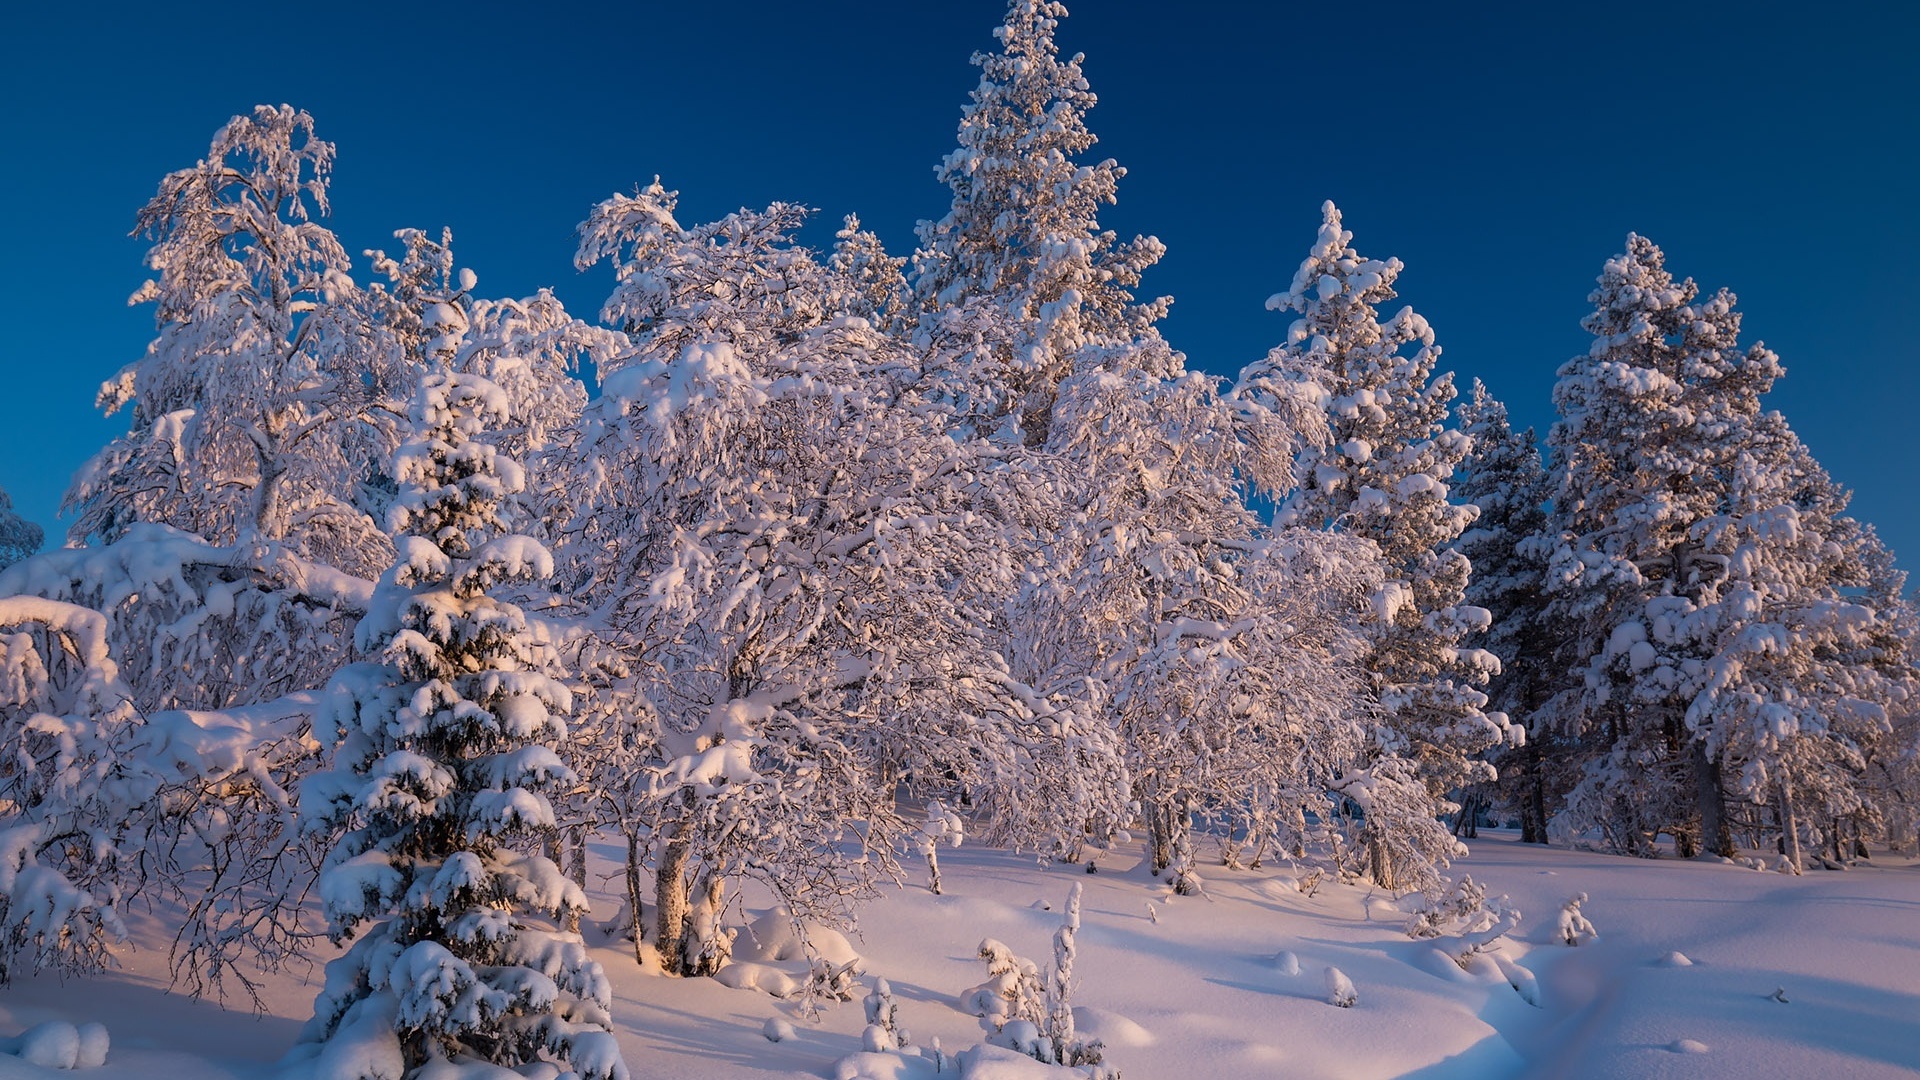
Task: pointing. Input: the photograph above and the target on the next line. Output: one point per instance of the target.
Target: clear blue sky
(1502, 151)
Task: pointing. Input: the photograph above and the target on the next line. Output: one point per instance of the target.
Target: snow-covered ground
(1198, 987)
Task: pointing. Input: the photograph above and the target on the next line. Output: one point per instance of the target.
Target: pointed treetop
(1023, 227)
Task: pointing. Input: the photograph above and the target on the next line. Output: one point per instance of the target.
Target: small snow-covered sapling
(1574, 927)
(942, 826)
(1467, 912)
(1309, 882)
(1340, 991)
(828, 979)
(1012, 990)
(883, 1014)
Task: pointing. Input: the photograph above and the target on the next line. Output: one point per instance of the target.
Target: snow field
(1208, 990)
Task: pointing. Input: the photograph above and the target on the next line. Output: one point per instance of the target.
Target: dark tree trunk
(1710, 797)
(636, 904)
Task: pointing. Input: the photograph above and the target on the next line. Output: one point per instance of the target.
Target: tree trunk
(577, 855)
(1710, 796)
(706, 946)
(1297, 817)
(1380, 860)
(1184, 880)
(1466, 820)
(636, 907)
(670, 897)
(1158, 838)
(1789, 827)
(1533, 796)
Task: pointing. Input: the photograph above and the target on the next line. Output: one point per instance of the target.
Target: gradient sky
(1502, 151)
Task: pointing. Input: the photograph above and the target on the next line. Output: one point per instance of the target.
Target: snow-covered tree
(68, 787)
(794, 565)
(1801, 683)
(873, 281)
(1019, 276)
(257, 409)
(1652, 423)
(446, 746)
(1224, 652)
(1503, 477)
(428, 315)
(19, 537)
(1382, 476)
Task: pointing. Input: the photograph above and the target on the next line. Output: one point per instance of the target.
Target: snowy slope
(1196, 988)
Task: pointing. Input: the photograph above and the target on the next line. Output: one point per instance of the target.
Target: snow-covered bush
(1468, 915)
(70, 789)
(1573, 927)
(1012, 991)
(883, 1019)
(1340, 991)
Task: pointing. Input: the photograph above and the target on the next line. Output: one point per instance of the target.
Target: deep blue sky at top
(1503, 151)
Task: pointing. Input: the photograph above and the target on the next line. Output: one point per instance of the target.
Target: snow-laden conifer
(1653, 421)
(19, 537)
(1503, 477)
(446, 747)
(1383, 476)
(1019, 276)
(69, 788)
(1803, 678)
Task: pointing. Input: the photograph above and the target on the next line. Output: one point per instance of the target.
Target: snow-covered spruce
(1504, 477)
(1019, 278)
(1729, 631)
(446, 743)
(1383, 476)
(19, 537)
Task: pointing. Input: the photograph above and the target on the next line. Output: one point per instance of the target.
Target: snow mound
(1287, 963)
(887, 1066)
(777, 1030)
(747, 975)
(93, 1046)
(1340, 991)
(52, 1045)
(58, 1044)
(1675, 959)
(1688, 1046)
(776, 937)
(1109, 1027)
(987, 1062)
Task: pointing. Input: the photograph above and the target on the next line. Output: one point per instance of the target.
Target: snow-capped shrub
(1574, 928)
(1340, 991)
(884, 1015)
(1465, 912)
(1012, 990)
